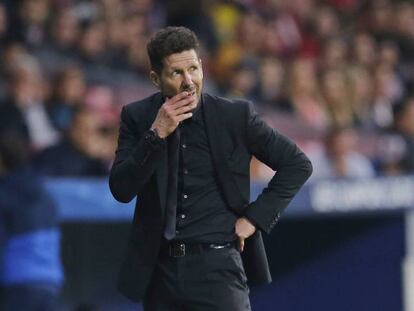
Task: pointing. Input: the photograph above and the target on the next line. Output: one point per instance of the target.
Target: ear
(155, 79)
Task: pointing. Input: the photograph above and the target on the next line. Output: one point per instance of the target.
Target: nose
(188, 80)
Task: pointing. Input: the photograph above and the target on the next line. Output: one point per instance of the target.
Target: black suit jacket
(235, 133)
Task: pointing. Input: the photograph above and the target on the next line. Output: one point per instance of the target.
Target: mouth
(191, 93)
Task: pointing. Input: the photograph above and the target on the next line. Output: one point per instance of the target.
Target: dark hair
(168, 41)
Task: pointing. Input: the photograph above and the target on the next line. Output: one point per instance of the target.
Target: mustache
(189, 89)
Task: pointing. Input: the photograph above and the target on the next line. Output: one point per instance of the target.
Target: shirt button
(184, 146)
(182, 216)
(185, 196)
(185, 171)
(177, 232)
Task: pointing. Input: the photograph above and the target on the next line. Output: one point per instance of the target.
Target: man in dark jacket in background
(30, 268)
(186, 156)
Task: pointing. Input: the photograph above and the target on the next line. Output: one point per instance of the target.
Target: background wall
(318, 261)
(316, 264)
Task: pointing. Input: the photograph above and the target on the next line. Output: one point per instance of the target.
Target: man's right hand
(175, 110)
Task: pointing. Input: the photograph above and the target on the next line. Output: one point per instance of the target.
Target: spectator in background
(389, 54)
(127, 31)
(136, 57)
(251, 33)
(334, 53)
(117, 43)
(25, 110)
(283, 35)
(336, 97)
(364, 50)
(64, 31)
(326, 23)
(10, 53)
(3, 24)
(271, 85)
(135, 25)
(404, 29)
(67, 95)
(100, 100)
(194, 15)
(243, 82)
(380, 19)
(361, 93)
(340, 158)
(80, 153)
(30, 268)
(305, 94)
(92, 44)
(60, 48)
(388, 90)
(32, 17)
(402, 161)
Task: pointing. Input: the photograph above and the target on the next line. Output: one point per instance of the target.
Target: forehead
(182, 59)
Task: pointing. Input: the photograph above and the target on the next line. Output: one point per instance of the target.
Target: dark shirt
(202, 215)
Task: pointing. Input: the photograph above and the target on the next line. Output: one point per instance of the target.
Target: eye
(175, 73)
(193, 68)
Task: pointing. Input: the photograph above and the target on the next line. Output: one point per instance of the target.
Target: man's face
(181, 72)
(407, 119)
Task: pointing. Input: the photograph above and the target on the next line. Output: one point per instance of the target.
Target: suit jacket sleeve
(135, 160)
(292, 168)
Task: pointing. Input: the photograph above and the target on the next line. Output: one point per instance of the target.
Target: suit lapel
(161, 175)
(162, 169)
(215, 129)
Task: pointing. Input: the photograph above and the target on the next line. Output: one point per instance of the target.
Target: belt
(178, 249)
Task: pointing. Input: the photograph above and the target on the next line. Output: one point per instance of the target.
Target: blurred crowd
(335, 75)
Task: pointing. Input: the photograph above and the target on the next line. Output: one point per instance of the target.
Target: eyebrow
(190, 65)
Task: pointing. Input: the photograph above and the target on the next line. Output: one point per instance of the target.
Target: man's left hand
(244, 229)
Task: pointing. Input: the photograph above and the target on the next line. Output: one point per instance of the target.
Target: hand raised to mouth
(174, 110)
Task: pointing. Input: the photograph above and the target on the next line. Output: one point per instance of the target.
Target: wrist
(158, 132)
(153, 137)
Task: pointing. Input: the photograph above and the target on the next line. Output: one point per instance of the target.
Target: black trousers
(213, 280)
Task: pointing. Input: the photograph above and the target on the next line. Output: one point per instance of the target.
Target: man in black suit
(186, 155)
